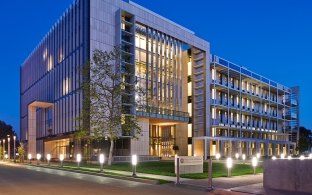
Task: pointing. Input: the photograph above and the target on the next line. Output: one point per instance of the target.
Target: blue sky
(272, 38)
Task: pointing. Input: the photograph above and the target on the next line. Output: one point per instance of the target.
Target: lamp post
(3, 147)
(29, 157)
(229, 164)
(254, 164)
(61, 159)
(48, 159)
(9, 152)
(102, 160)
(38, 158)
(14, 139)
(134, 163)
(78, 160)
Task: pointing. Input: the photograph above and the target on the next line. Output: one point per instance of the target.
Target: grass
(166, 168)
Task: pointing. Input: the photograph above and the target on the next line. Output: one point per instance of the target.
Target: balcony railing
(156, 112)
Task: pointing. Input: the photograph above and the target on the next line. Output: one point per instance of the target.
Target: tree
(305, 139)
(1, 152)
(5, 132)
(21, 153)
(105, 93)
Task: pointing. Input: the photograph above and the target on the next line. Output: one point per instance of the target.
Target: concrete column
(31, 131)
(257, 144)
(239, 148)
(273, 149)
(249, 149)
(288, 149)
(230, 149)
(266, 149)
(205, 149)
(221, 148)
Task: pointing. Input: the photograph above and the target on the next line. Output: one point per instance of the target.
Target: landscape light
(218, 155)
(289, 157)
(38, 158)
(273, 157)
(282, 156)
(48, 158)
(134, 163)
(102, 160)
(254, 163)
(61, 159)
(29, 157)
(310, 156)
(236, 156)
(229, 165)
(78, 159)
(258, 155)
(6, 156)
(301, 157)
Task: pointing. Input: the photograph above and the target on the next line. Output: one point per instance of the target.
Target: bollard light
(102, 160)
(29, 157)
(258, 155)
(310, 156)
(6, 156)
(301, 157)
(229, 164)
(282, 156)
(289, 157)
(244, 157)
(61, 159)
(48, 158)
(254, 163)
(236, 156)
(218, 155)
(78, 160)
(134, 163)
(38, 158)
(273, 157)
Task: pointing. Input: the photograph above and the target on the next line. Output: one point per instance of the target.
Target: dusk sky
(272, 38)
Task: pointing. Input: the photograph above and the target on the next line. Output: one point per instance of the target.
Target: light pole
(102, 160)
(3, 147)
(9, 152)
(229, 164)
(14, 154)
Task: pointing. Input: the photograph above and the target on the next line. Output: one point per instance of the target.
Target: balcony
(161, 113)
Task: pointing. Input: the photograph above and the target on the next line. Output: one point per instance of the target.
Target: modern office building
(196, 101)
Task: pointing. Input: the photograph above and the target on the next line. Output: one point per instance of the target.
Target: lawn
(167, 168)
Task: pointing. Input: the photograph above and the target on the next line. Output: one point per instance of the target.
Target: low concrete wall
(290, 175)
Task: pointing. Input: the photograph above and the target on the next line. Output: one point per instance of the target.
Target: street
(17, 180)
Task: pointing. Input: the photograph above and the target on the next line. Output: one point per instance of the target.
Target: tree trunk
(110, 156)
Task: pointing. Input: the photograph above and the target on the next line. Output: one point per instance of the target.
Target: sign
(190, 164)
